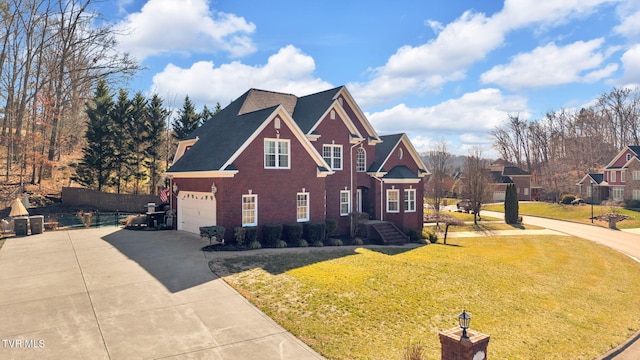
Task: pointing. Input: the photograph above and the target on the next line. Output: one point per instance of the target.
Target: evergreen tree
(122, 138)
(187, 121)
(138, 127)
(511, 206)
(156, 117)
(95, 167)
(218, 108)
(205, 115)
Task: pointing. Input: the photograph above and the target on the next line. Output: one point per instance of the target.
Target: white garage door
(196, 209)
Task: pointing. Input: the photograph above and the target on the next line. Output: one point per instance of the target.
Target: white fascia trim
(400, 181)
(615, 158)
(202, 174)
(414, 154)
(343, 115)
(181, 149)
(363, 119)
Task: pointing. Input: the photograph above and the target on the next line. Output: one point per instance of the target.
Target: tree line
(564, 145)
(53, 52)
(128, 144)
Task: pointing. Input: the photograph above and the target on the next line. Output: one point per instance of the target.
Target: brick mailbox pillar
(454, 347)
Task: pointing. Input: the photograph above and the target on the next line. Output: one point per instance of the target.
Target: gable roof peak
(257, 99)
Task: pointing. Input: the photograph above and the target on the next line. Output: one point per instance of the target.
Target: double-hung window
(250, 210)
(636, 175)
(345, 202)
(410, 200)
(393, 200)
(276, 154)
(332, 154)
(302, 206)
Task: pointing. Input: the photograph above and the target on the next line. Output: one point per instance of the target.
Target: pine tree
(511, 206)
(138, 127)
(187, 121)
(156, 116)
(120, 116)
(95, 168)
(205, 115)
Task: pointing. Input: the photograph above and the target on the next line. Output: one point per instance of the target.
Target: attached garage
(196, 209)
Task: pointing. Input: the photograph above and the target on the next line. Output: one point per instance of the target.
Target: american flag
(164, 194)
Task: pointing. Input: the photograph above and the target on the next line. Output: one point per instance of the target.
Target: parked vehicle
(578, 201)
(464, 205)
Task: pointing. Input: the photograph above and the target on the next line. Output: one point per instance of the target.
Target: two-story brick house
(271, 157)
(502, 173)
(619, 180)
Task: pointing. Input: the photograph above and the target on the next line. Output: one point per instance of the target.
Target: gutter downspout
(352, 225)
(381, 197)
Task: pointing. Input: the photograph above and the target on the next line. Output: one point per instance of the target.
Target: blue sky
(436, 70)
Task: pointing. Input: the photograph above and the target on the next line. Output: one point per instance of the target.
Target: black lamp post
(464, 319)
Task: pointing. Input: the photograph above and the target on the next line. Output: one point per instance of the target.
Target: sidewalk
(109, 293)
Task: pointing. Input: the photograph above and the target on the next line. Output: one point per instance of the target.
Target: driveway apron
(109, 293)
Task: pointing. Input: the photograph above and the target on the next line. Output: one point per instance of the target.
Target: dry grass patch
(536, 296)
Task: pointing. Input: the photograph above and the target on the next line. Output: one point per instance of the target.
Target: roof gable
(262, 99)
(388, 146)
(618, 161)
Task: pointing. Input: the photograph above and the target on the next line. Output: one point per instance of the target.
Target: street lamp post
(464, 319)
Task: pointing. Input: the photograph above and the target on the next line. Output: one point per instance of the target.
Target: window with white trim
(628, 157)
(636, 175)
(410, 200)
(612, 176)
(302, 206)
(623, 176)
(361, 160)
(618, 193)
(332, 154)
(276, 154)
(589, 191)
(526, 191)
(636, 194)
(250, 210)
(393, 200)
(345, 202)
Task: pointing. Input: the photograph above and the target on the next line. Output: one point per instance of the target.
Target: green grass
(581, 213)
(552, 297)
(491, 226)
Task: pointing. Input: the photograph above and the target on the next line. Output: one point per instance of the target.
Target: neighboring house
(274, 158)
(501, 173)
(620, 179)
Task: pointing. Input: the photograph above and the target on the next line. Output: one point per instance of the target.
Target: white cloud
(631, 64)
(289, 71)
(184, 26)
(460, 44)
(471, 115)
(552, 65)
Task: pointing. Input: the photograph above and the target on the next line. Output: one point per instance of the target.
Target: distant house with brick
(619, 180)
(502, 173)
(271, 158)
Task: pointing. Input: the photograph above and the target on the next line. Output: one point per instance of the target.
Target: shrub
(302, 243)
(567, 199)
(314, 231)
(632, 203)
(251, 234)
(335, 242)
(254, 245)
(511, 204)
(271, 234)
(239, 236)
(292, 233)
(331, 225)
(318, 243)
(357, 241)
(414, 236)
(280, 244)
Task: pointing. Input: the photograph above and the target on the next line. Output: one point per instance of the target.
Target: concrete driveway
(116, 294)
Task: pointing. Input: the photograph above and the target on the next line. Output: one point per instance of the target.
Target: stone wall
(81, 197)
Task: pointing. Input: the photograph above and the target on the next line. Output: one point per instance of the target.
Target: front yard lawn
(552, 297)
(577, 213)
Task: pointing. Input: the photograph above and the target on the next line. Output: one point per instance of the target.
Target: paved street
(109, 293)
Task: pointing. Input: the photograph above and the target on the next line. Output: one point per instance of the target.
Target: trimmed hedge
(271, 234)
(314, 232)
(292, 233)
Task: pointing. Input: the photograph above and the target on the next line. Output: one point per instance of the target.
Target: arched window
(361, 160)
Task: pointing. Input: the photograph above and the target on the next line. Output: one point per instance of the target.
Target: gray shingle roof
(383, 150)
(220, 137)
(310, 108)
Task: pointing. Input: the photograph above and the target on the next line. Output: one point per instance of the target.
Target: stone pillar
(454, 347)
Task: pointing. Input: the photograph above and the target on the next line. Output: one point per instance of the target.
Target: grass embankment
(536, 296)
(576, 213)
